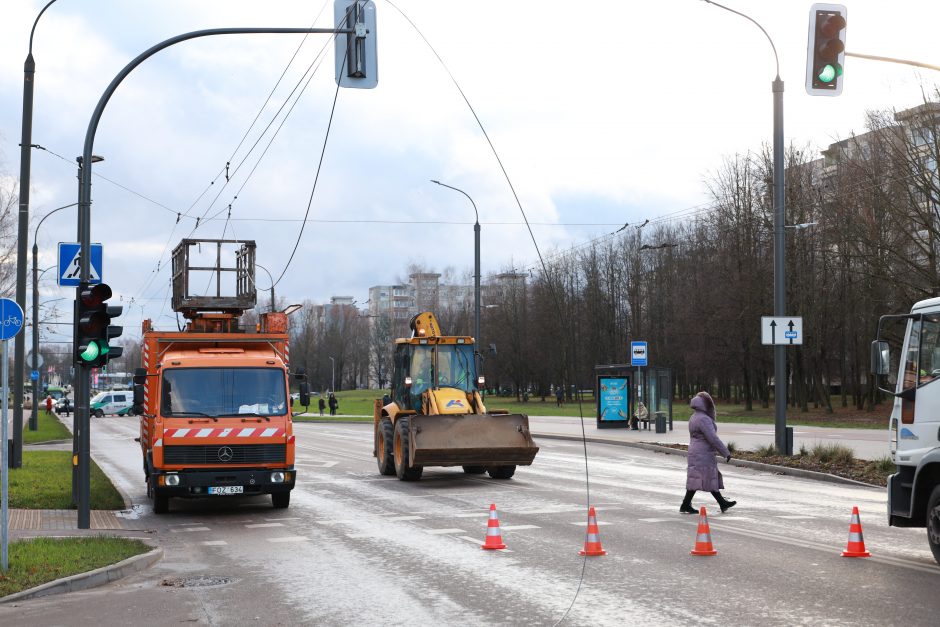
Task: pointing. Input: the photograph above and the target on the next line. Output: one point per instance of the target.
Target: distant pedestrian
(322, 404)
(48, 404)
(642, 414)
(703, 473)
(559, 396)
(334, 404)
(65, 406)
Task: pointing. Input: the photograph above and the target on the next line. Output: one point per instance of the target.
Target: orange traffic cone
(494, 539)
(856, 544)
(592, 543)
(703, 537)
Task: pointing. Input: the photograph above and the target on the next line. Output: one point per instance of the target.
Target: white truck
(914, 490)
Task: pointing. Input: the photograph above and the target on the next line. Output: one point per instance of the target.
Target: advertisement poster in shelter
(613, 399)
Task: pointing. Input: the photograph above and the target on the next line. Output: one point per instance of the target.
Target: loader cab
(431, 365)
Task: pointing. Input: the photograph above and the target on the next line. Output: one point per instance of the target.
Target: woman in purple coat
(703, 473)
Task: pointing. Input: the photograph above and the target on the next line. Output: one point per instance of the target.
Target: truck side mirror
(301, 375)
(880, 357)
(140, 377)
(138, 408)
(305, 394)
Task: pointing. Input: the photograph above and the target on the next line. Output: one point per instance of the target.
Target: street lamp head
(291, 309)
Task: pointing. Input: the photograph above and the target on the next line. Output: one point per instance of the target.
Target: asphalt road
(357, 548)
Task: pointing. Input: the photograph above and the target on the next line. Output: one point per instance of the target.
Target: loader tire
(401, 453)
(474, 470)
(501, 472)
(384, 441)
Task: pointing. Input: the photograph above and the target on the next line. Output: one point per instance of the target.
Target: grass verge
(50, 429)
(45, 482)
(41, 560)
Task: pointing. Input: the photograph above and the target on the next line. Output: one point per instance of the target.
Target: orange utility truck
(214, 399)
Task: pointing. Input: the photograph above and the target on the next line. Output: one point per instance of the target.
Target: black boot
(686, 507)
(723, 503)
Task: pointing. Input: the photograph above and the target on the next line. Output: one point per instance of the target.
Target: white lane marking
(732, 518)
(518, 527)
(477, 542)
(796, 517)
(438, 532)
(285, 518)
(402, 518)
(582, 522)
(290, 539)
(472, 515)
(215, 543)
(260, 525)
(655, 520)
(315, 464)
(334, 522)
(373, 534)
(190, 529)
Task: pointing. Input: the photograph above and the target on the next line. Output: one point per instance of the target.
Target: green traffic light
(827, 74)
(91, 352)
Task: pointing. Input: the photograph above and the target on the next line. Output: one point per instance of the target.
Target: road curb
(91, 579)
(780, 470)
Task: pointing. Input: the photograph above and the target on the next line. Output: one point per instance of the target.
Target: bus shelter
(619, 390)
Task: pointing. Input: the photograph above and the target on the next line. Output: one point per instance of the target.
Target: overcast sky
(601, 113)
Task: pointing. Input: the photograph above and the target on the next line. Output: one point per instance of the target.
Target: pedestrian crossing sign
(70, 264)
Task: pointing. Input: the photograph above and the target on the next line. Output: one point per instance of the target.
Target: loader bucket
(471, 440)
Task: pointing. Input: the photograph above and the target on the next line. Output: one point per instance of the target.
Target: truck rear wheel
(933, 523)
(384, 439)
(280, 500)
(501, 472)
(402, 461)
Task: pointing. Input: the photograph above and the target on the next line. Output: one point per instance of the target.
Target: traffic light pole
(783, 443)
(83, 378)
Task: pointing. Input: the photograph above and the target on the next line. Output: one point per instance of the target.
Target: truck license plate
(226, 489)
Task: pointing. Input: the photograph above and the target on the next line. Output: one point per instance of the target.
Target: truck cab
(913, 377)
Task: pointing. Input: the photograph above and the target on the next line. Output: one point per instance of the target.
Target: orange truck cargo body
(217, 416)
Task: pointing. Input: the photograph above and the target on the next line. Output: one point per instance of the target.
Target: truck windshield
(223, 391)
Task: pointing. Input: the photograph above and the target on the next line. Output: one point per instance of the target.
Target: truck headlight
(172, 480)
(277, 477)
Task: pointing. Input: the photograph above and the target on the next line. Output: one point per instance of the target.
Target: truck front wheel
(933, 523)
(384, 438)
(402, 461)
(161, 503)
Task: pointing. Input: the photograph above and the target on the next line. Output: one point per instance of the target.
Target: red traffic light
(95, 295)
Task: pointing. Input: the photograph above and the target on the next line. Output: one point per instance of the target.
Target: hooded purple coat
(703, 471)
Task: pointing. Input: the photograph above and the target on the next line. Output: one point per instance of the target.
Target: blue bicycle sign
(11, 318)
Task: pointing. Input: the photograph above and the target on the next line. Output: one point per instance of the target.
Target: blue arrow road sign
(11, 318)
(34, 375)
(70, 263)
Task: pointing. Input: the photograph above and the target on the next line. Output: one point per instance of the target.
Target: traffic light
(93, 328)
(825, 53)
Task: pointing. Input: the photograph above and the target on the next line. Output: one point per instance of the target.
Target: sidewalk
(870, 444)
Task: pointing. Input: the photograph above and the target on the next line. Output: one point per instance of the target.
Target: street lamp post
(34, 412)
(26, 145)
(784, 444)
(476, 271)
(333, 373)
(272, 283)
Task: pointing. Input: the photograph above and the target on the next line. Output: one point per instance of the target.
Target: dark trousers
(690, 493)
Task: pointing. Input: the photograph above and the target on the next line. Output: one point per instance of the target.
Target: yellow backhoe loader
(436, 416)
